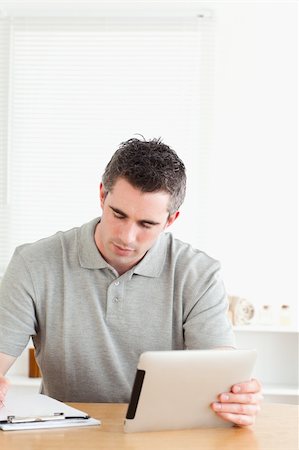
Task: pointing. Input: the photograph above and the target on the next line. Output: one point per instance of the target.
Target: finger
(4, 385)
(252, 386)
(238, 419)
(3, 393)
(250, 399)
(3, 390)
(2, 400)
(235, 408)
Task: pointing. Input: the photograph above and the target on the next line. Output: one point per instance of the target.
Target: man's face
(131, 222)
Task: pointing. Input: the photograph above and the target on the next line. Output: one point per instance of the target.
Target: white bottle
(285, 316)
(266, 317)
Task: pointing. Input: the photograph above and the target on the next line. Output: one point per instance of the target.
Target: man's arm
(207, 326)
(6, 361)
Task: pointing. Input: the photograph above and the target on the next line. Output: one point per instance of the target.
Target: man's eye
(146, 225)
(118, 215)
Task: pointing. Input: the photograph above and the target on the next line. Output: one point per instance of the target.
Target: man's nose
(128, 233)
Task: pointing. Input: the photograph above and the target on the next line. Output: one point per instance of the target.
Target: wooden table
(276, 429)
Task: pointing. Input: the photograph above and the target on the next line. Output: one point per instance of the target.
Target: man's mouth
(122, 250)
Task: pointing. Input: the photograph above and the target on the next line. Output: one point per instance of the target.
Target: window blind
(72, 90)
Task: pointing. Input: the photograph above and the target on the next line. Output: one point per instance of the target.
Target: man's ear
(172, 218)
(102, 194)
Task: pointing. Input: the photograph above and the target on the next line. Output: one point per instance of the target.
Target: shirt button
(116, 300)
(116, 283)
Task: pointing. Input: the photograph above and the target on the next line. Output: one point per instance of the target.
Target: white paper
(38, 405)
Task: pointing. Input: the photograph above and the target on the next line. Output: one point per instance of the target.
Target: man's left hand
(241, 405)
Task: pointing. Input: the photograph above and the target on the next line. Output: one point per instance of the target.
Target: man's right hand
(6, 361)
(4, 384)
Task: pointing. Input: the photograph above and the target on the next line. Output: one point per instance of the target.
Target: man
(93, 298)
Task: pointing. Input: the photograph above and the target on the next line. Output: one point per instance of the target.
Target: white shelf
(278, 389)
(19, 380)
(265, 329)
(270, 389)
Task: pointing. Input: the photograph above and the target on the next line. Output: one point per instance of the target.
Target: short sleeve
(206, 323)
(17, 309)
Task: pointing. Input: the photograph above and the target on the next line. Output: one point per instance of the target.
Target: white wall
(246, 217)
(251, 218)
(254, 158)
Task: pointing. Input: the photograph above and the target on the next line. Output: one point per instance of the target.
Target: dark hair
(150, 166)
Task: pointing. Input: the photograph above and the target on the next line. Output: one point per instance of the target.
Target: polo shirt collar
(90, 257)
(152, 263)
(88, 253)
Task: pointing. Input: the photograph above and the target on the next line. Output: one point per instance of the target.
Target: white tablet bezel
(174, 389)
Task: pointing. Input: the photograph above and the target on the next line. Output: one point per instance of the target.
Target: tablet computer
(174, 389)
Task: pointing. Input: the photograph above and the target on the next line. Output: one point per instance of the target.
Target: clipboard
(35, 411)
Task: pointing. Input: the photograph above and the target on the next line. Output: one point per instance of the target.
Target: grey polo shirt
(89, 325)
